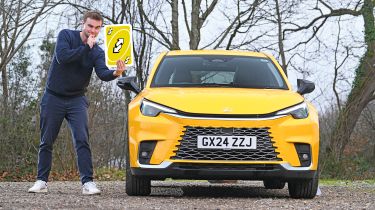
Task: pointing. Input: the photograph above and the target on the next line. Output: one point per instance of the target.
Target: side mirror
(128, 83)
(305, 86)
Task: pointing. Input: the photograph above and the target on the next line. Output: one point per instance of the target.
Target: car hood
(223, 100)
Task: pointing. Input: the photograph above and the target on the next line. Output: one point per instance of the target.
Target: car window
(217, 71)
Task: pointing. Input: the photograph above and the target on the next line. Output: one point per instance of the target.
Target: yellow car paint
(167, 129)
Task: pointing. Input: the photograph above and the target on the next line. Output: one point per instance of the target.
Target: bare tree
(17, 19)
(363, 87)
(282, 14)
(198, 15)
(280, 37)
(245, 21)
(174, 23)
(338, 65)
(261, 23)
(369, 117)
(156, 10)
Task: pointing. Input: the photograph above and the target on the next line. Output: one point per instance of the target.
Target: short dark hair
(93, 15)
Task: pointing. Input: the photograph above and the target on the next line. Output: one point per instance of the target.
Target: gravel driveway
(185, 195)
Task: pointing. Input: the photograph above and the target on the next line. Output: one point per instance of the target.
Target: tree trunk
(280, 38)
(194, 34)
(197, 21)
(139, 62)
(348, 117)
(174, 23)
(4, 82)
(363, 88)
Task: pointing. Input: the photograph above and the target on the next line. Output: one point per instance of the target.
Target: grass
(340, 182)
(109, 174)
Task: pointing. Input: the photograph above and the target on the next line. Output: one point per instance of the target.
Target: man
(76, 54)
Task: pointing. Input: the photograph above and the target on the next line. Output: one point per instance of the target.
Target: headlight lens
(151, 109)
(299, 111)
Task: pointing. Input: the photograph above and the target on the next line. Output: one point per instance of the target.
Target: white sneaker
(39, 187)
(89, 188)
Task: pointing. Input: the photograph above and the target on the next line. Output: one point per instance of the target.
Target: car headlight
(299, 111)
(151, 109)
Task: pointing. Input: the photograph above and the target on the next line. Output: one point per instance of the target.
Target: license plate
(227, 142)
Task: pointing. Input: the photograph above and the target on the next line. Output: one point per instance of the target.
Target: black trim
(223, 171)
(146, 146)
(303, 148)
(189, 114)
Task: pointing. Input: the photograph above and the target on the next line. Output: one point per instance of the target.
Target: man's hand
(91, 41)
(120, 68)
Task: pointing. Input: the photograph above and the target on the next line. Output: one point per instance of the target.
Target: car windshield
(218, 71)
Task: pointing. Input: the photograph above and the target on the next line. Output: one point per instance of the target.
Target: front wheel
(135, 185)
(304, 188)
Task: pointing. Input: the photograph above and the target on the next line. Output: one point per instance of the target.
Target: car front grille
(187, 149)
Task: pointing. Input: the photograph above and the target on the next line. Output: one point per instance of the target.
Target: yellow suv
(215, 114)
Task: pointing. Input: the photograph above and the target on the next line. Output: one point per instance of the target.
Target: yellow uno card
(118, 44)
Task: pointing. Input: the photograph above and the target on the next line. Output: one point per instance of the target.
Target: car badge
(227, 109)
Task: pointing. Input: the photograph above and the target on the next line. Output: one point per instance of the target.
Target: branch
(140, 7)
(185, 16)
(209, 10)
(316, 29)
(333, 13)
(153, 37)
(14, 49)
(123, 6)
(237, 20)
(326, 5)
(4, 11)
(240, 23)
(248, 42)
(80, 8)
(337, 67)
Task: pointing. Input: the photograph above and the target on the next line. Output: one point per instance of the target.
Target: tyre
(304, 188)
(135, 185)
(273, 184)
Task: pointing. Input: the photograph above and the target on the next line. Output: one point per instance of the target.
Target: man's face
(91, 27)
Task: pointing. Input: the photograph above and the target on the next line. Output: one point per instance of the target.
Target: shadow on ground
(218, 191)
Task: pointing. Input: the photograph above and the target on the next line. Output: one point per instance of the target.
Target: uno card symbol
(118, 45)
(127, 60)
(110, 31)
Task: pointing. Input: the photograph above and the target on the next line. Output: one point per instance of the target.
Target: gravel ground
(185, 195)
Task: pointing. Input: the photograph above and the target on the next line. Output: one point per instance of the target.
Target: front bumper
(283, 172)
(168, 131)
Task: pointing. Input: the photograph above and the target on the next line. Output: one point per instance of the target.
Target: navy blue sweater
(72, 65)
